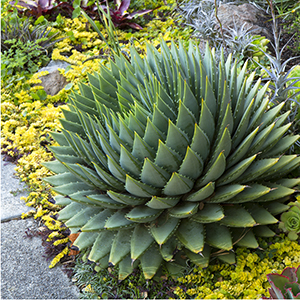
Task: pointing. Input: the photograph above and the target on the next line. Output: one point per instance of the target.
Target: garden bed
(29, 116)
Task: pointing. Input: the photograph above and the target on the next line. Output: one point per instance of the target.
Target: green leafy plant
(25, 48)
(22, 30)
(171, 157)
(285, 285)
(290, 221)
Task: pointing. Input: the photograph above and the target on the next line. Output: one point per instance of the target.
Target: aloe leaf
(68, 212)
(154, 175)
(206, 121)
(61, 140)
(125, 268)
(263, 231)
(140, 189)
(82, 217)
(178, 185)
(284, 171)
(168, 249)
(118, 221)
(81, 197)
(288, 182)
(62, 200)
(259, 214)
(85, 240)
(201, 194)
(236, 171)
(116, 170)
(141, 150)
(97, 222)
(167, 158)
(257, 168)
(143, 214)
(209, 213)
(215, 171)
(228, 258)
(177, 267)
(120, 246)
(109, 179)
(270, 115)
(125, 134)
(101, 157)
(159, 119)
(245, 238)
(243, 125)
(218, 236)
(72, 127)
(105, 201)
(141, 240)
(256, 119)
(226, 121)
(69, 188)
(153, 135)
(281, 146)
(101, 246)
(162, 202)
(275, 207)
(177, 139)
(93, 177)
(192, 165)
(69, 159)
(251, 193)
(151, 261)
(190, 101)
(242, 149)
(237, 216)
(89, 178)
(185, 120)
(126, 199)
(277, 192)
(200, 143)
(191, 235)
(61, 179)
(163, 228)
(62, 150)
(260, 139)
(200, 259)
(274, 138)
(227, 192)
(184, 210)
(224, 145)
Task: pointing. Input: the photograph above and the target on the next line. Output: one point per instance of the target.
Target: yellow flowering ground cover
(247, 278)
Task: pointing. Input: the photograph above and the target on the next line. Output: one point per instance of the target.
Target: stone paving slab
(25, 273)
(11, 191)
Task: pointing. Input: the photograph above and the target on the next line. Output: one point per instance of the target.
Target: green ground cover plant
(28, 116)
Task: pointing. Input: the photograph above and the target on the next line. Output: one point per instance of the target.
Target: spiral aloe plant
(170, 157)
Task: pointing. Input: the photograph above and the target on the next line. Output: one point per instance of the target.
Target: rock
(233, 16)
(54, 81)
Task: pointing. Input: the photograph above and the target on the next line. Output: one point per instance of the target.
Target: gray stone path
(25, 273)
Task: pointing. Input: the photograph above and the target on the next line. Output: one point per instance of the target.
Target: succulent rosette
(169, 157)
(285, 285)
(290, 221)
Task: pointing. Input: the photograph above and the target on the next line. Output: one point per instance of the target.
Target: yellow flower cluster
(58, 257)
(247, 279)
